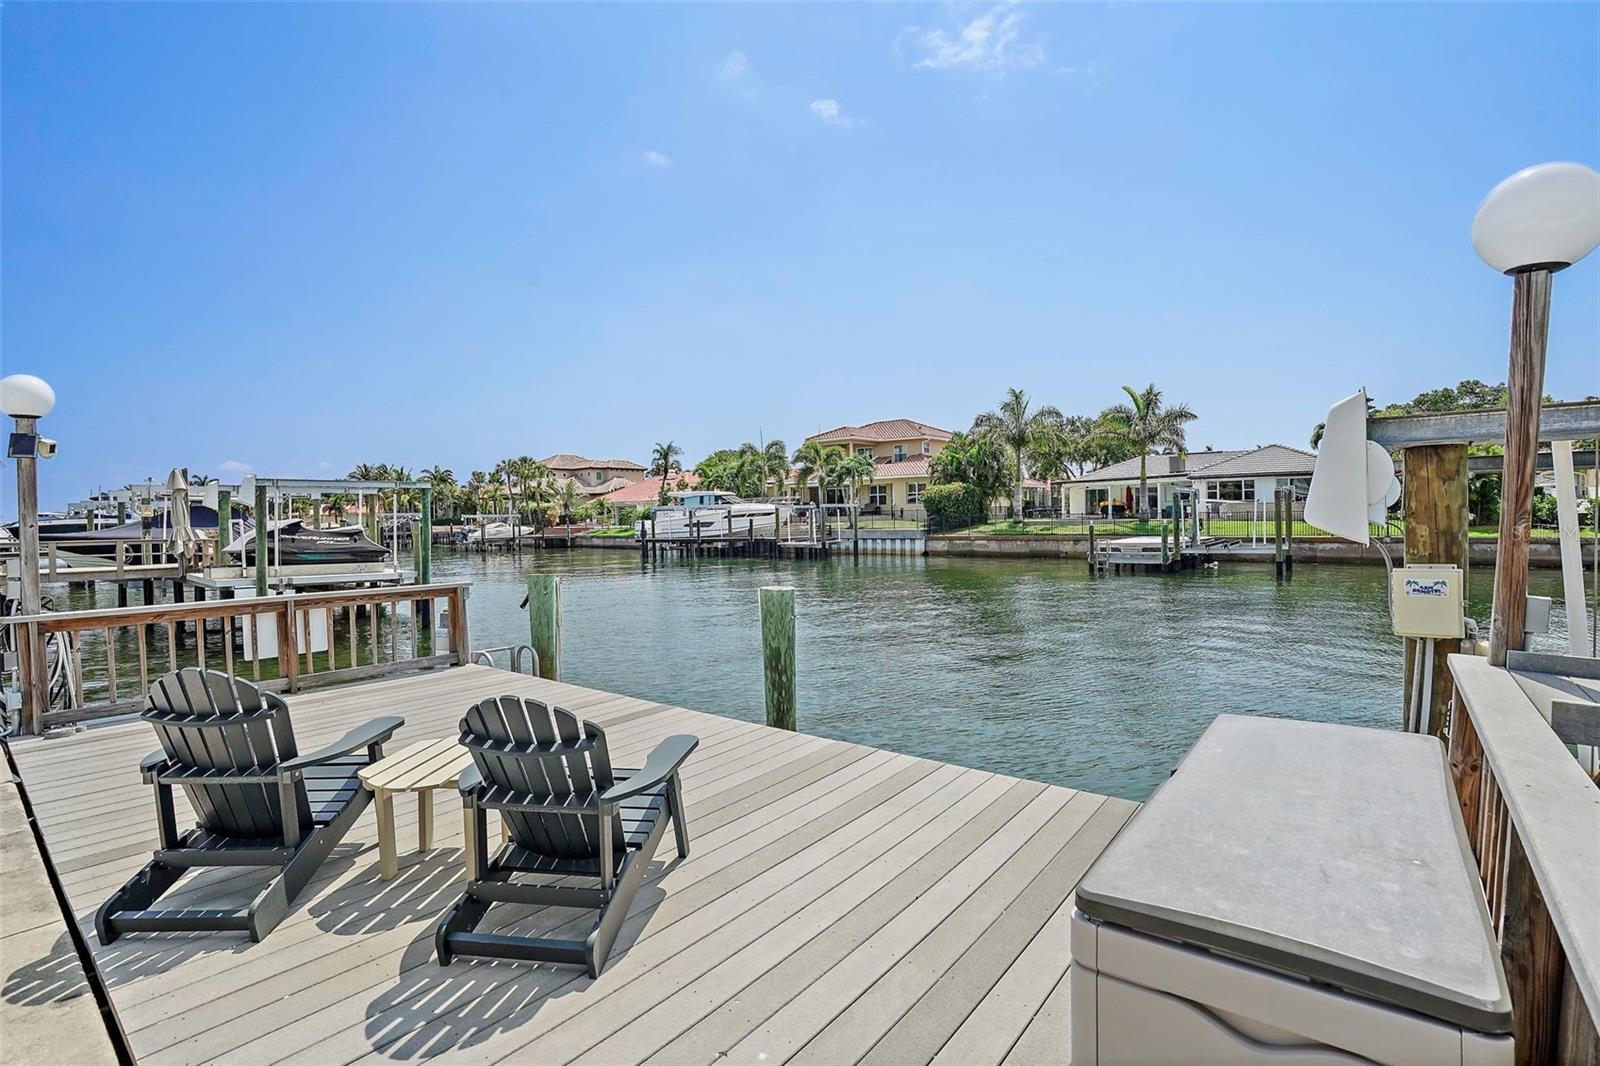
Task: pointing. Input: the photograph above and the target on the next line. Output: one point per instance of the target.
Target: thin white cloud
(233, 469)
(991, 42)
(734, 66)
(656, 160)
(830, 112)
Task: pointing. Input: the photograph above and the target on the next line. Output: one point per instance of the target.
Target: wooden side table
(419, 768)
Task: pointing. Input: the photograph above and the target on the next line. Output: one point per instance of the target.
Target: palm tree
(663, 463)
(771, 463)
(811, 460)
(1145, 424)
(1012, 424)
(569, 499)
(854, 469)
(443, 482)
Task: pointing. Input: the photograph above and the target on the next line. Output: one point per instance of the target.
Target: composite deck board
(840, 904)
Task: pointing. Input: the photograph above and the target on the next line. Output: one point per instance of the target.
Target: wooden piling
(1530, 327)
(544, 623)
(261, 538)
(1091, 548)
(224, 516)
(777, 654)
(1435, 504)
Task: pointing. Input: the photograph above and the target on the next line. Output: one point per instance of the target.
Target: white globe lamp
(25, 396)
(1544, 218)
(1536, 222)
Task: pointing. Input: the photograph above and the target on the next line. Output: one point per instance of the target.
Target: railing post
(459, 642)
(1533, 959)
(777, 655)
(35, 688)
(288, 647)
(544, 623)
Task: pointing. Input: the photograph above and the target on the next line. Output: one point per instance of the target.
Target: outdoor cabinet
(1296, 892)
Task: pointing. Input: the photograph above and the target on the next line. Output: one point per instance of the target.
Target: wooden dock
(841, 904)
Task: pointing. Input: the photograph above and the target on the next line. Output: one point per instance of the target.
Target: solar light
(1544, 218)
(25, 396)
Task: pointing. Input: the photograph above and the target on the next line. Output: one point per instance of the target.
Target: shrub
(954, 501)
(1544, 509)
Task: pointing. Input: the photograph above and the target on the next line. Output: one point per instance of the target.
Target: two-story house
(902, 451)
(594, 476)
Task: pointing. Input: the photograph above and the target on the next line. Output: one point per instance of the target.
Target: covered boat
(292, 542)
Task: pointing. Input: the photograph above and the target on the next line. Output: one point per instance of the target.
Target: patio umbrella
(1128, 500)
(180, 534)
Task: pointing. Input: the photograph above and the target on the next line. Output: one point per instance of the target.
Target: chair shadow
(136, 955)
(433, 1009)
(55, 978)
(421, 892)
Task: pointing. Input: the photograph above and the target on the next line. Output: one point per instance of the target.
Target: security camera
(47, 448)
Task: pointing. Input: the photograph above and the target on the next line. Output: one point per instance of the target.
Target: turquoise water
(1029, 668)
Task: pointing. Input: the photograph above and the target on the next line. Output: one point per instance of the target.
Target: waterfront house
(902, 451)
(592, 473)
(1233, 483)
(646, 492)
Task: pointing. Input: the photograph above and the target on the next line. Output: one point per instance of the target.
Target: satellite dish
(1353, 484)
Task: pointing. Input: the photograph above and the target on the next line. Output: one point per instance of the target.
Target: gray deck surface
(841, 904)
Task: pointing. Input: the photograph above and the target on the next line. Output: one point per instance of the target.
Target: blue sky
(300, 237)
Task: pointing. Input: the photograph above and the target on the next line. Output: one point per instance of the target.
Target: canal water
(1030, 668)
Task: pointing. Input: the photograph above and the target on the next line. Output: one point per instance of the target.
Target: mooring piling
(544, 623)
(777, 654)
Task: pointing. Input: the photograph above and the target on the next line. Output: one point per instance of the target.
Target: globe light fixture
(28, 399)
(1534, 223)
(25, 396)
(1546, 217)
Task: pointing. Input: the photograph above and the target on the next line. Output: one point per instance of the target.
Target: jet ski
(292, 541)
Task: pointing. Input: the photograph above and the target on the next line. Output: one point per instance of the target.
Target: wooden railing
(103, 661)
(126, 559)
(1533, 821)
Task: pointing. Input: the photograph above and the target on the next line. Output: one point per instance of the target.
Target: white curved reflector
(1353, 483)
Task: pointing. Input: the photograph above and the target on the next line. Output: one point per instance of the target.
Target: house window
(864, 451)
(1094, 499)
(834, 496)
(899, 453)
(1301, 485)
(1232, 491)
(914, 491)
(927, 447)
(878, 495)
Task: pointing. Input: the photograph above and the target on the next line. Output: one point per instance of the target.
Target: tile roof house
(1225, 482)
(591, 473)
(902, 451)
(648, 490)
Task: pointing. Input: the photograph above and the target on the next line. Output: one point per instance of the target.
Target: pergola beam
(1557, 421)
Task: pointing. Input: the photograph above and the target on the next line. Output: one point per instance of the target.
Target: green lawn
(611, 531)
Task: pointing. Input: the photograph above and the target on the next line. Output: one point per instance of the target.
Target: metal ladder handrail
(485, 656)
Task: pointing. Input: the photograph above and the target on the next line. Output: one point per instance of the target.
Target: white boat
(491, 533)
(707, 515)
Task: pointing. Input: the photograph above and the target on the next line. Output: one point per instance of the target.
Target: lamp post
(1534, 223)
(28, 399)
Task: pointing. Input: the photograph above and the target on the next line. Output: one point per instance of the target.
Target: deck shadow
(433, 1009)
(422, 892)
(56, 977)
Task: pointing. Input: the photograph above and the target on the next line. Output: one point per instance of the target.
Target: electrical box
(1429, 600)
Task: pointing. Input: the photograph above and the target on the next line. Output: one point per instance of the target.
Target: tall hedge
(955, 500)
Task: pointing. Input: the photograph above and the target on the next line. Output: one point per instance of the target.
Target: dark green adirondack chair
(257, 800)
(571, 817)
